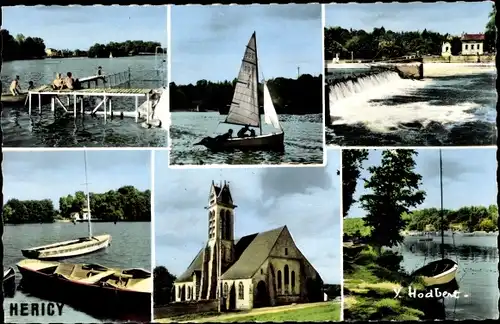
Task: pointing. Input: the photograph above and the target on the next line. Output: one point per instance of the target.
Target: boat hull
(9, 99)
(267, 142)
(68, 249)
(9, 282)
(438, 273)
(99, 300)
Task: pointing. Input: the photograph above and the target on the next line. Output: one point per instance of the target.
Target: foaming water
(385, 104)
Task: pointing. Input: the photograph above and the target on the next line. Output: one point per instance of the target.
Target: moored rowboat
(9, 281)
(68, 249)
(438, 272)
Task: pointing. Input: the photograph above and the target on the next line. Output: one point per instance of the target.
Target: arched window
(189, 293)
(293, 279)
(287, 274)
(226, 288)
(279, 280)
(241, 292)
(228, 225)
(179, 291)
(222, 216)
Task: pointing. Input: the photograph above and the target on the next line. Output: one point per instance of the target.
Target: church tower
(220, 248)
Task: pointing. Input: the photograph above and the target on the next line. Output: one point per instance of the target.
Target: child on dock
(15, 89)
(58, 83)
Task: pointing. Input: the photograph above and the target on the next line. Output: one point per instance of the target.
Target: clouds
(304, 199)
(52, 174)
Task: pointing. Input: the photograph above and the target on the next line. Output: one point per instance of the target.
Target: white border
(323, 94)
(341, 245)
(152, 231)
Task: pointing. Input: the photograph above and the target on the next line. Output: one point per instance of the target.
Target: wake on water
(384, 103)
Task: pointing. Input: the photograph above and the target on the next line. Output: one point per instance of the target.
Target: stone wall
(183, 308)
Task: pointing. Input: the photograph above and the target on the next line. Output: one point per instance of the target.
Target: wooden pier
(76, 97)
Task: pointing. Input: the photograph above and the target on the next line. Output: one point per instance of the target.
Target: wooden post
(39, 102)
(148, 107)
(110, 107)
(52, 104)
(136, 109)
(105, 109)
(29, 104)
(67, 100)
(81, 105)
(74, 105)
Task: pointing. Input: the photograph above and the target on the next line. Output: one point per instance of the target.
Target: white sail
(244, 108)
(270, 115)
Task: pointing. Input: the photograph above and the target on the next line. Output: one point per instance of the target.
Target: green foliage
(29, 211)
(21, 47)
(127, 48)
(473, 218)
(124, 204)
(290, 96)
(163, 282)
(394, 187)
(381, 43)
(355, 227)
(490, 33)
(352, 161)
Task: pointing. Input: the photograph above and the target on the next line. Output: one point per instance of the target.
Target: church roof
(250, 252)
(257, 250)
(472, 37)
(223, 193)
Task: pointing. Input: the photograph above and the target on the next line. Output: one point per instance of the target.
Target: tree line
(381, 43)
(125, 204)
(290, 96)
(393, 198)
(21, 47)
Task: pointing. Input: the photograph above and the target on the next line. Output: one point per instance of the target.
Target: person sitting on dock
(242, 132)
(99, 70)
(252, 133)
(15, 89)
(31, 85)
(58, 82)
(71, 83)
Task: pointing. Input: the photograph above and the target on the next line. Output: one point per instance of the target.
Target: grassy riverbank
(371, 283)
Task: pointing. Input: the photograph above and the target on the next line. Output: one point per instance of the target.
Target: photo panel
(239, 244)
(410, 74)
(84, 76)
(77, 236)
(246, 85)
(420, 234)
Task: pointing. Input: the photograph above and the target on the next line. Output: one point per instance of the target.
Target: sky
(469, 178)
(80, 27)
(453, 18)
(208, 42)
(305, 199)
(52, 174)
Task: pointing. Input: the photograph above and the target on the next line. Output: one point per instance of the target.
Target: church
(256, 270)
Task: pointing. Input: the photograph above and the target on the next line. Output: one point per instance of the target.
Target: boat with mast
(440, 272)
(72, 248)
(244, 110)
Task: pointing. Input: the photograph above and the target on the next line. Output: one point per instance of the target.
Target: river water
(437, 111)
(303, 140)
(59, 130)
(477, 275)
(130, 248)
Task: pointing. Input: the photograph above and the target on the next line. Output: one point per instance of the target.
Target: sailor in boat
(15, 89)
(218, 138)
(243, 132)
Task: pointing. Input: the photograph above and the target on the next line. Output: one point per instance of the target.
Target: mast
(441, 211)
(88, 194)
(257, 72)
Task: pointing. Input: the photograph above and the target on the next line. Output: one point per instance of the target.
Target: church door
(262, 295)
(232, 298)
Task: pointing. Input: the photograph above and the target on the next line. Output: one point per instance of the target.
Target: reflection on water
(477, 275)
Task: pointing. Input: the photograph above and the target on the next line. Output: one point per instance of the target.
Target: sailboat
(110, 55)
(72, 248)
(442, 271)
(244, 110)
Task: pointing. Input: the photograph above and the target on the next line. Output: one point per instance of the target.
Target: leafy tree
(163, 282)
(490, 34)
(394, 189)
(126, 48)
(352, 161)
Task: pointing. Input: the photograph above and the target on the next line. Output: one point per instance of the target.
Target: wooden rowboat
(268, 142)
(438, 272)
(9, 99)
(9, 281)
(97, 286)
(68, 249)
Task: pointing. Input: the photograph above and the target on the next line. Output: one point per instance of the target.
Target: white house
(446, 49)
(472, 44)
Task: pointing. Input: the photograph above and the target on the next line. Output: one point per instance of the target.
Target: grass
(320, 313)
(370, 281)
